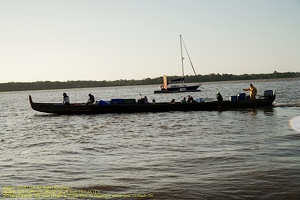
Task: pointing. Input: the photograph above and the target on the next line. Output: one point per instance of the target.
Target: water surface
(240, 154)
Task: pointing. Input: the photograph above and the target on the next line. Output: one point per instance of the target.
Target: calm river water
(241, 154)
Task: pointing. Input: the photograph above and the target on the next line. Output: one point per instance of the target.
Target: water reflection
(268, 111)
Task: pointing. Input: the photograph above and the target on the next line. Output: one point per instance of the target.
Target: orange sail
(165, 85)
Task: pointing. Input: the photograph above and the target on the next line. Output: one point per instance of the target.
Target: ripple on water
(242, 154)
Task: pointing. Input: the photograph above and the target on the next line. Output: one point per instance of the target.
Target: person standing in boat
(252, 91)
(219, 97)
(91, 100)
(66, 99)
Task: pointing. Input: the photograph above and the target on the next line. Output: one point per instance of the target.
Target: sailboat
(178, 85)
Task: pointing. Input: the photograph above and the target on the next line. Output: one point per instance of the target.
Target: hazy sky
(60, 40)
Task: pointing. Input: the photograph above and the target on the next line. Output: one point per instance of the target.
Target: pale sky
(61, 40)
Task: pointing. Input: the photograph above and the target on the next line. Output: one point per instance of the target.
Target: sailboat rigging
(181, 86)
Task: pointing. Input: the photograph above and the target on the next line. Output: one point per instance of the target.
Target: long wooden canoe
(81, 108)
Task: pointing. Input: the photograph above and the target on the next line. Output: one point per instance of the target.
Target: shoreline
(22, 86)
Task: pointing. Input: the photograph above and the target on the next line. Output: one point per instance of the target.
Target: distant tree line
(231, 77)
(46, 85)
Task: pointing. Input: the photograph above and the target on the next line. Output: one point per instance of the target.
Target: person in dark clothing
(91, 100)
(219, 97)
(66, 99)
(190, 99)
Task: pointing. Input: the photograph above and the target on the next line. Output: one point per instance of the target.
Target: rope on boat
(190, 60)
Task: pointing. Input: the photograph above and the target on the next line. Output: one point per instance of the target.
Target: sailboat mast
(182, 59)
(189, 59)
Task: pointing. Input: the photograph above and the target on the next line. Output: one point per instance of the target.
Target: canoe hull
(58, 108)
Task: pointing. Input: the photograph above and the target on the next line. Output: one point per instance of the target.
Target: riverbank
(47, 85)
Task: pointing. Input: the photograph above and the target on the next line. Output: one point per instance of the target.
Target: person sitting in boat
(173, 101)
(252, 91)
(153, 101)
(143, 100)
(190, 99)
(219, 97)
(91, 100)
(66, 99)
(183, 101)
(162, 87)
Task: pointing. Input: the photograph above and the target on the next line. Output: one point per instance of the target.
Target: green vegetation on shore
(46, 85)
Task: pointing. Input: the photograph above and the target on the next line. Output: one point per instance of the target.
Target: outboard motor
(269, 93)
